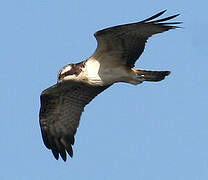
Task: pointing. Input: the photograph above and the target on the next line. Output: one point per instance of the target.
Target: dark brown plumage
(117, 51)
(61, 108)
(127, 42)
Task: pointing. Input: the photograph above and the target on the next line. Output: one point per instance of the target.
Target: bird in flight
(113, 61)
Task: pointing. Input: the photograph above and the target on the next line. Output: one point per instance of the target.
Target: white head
(69, 72)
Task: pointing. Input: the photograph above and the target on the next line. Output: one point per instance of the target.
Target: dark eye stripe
(76, 69)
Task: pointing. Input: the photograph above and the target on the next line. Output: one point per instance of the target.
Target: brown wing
(61, 108)
(127, 42)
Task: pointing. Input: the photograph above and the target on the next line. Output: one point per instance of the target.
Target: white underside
(106, 72)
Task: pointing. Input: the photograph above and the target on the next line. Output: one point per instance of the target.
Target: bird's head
(66, 71)
(69, 72)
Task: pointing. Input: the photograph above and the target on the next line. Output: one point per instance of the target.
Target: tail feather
(153, 76)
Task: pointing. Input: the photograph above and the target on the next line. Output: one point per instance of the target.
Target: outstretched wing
(127, 42)
(61, 108)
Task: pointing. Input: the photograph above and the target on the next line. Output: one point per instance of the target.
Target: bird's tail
(152, 76)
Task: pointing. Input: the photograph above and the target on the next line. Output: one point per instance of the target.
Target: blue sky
(153, 131)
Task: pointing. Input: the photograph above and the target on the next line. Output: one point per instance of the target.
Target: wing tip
(62, 146)
(154, 16)
(63, 156)
(55, 154)
(148, 20)
(59, 146)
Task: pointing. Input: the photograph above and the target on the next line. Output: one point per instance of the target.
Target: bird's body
(99, 73)
(113, 61)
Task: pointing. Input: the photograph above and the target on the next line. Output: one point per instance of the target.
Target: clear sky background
(153, 131)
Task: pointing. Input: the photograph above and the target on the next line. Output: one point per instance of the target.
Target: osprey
(113, 61)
